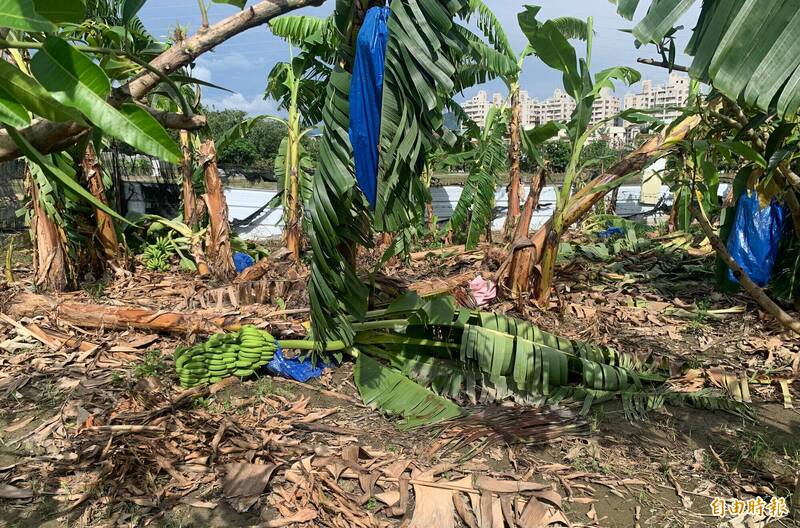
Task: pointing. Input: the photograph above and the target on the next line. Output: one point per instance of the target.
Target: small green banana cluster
(235, 354)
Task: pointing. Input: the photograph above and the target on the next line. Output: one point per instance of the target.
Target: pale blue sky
(242, 63)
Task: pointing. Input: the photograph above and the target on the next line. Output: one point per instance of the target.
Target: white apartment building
(672, 94)
(605, 106)
(559, 107)
(477, 108)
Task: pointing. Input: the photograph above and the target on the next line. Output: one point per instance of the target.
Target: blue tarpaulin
(295, 368)
(242, 261)
(611, 231)
(366, 95)
(753, 242)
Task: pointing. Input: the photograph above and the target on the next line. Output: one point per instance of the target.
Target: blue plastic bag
(242, 261)
(366, 97)
(754, 239)
(611, 231)
(294, 368)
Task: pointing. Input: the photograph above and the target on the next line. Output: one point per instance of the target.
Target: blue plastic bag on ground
(242, 261)
(611, 231)
(294, 368)
(754, 239)
(366, 96)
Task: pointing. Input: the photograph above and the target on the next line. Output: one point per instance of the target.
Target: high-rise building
(559, 107)
(663, 98)
(532, 112)
(605, 106)
(477, 108)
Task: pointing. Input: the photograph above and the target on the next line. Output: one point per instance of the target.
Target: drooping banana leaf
(745, 48)
(389, 390)
(337, 214)
(491, 365)
(485, 357)
(475, 206)
(297, 29)
(422, 51)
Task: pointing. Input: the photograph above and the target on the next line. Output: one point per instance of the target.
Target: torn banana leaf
(387, 389)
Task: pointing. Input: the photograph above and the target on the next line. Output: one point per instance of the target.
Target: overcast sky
(242, 63)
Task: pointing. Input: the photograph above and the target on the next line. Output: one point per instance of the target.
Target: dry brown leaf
(16, 426)
(506, 486)
(534, 515)
(143, 341)
(464, 511)
(302, 516)
(8, 491)
(197, 503)
(243, 483)
(389, 498)
(433, 506)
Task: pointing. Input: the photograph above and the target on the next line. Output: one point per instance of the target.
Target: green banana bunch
(235, 354)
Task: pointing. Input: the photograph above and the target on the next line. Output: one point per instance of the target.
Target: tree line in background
(259, 145)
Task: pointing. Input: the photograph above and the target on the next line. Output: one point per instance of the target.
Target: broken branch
(47, 136)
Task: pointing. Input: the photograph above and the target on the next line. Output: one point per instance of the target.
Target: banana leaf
(389, 390)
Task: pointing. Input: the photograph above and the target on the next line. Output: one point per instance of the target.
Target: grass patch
(152, 365)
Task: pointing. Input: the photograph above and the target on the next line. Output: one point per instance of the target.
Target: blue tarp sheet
(295, 368)
(366, 95)
(753, 242)
(242, 261)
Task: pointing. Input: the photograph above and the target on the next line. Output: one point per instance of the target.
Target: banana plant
(490, 161)
(746, 49)
(507, 64)
(424, 68)
(552, 47)
(79, 52)
(297, 86)
(187, 239)
(287, 84)
(418, 79)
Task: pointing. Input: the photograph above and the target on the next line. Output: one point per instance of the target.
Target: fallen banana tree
(419, 357)
(88, 315)
(527, 254)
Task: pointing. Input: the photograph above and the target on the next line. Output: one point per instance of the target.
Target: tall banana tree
(510, 70)
(425, 45)
(292, 164)
(297, 86)
(552, 47)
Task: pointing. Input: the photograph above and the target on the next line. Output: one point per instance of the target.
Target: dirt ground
(95, 431)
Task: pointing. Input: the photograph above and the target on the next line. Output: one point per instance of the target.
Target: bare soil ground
(95, 431)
